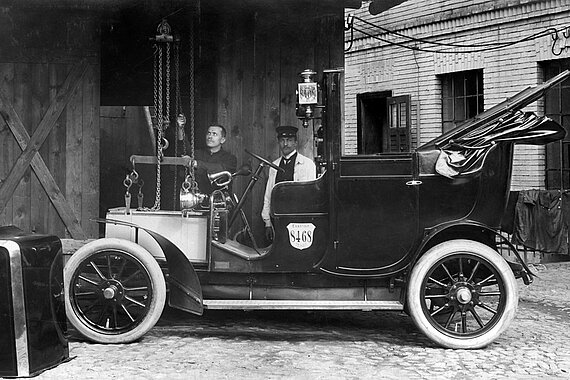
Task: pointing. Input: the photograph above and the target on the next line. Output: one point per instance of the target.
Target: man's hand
(269, 234)
(191, 162)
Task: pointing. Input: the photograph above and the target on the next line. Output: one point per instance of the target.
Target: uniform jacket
(305, 170)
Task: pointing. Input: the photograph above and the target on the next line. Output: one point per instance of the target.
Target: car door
(376, 212)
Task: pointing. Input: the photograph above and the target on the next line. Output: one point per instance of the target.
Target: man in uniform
(296, 168)
(213, 159)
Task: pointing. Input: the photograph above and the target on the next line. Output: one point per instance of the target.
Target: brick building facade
(424, 66)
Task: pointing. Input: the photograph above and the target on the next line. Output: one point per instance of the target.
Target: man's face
(214, 138)
(287, 145)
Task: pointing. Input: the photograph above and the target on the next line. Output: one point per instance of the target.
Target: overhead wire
(409, 39)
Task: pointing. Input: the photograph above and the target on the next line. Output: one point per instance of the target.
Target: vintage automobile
(415, 231)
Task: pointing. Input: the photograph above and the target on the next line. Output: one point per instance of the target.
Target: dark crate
(32, 311)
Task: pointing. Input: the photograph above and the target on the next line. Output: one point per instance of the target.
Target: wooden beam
(31, 145)
(179, 161)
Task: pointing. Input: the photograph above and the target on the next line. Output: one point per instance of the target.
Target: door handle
(413, 182)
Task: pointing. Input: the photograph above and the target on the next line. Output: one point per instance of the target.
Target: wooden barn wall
(258, 58)
(247, 66)
(39, 50)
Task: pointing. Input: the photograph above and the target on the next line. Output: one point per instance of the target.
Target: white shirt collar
(290, 154)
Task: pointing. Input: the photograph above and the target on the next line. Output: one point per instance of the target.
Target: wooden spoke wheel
(114, 291)
(462, 294)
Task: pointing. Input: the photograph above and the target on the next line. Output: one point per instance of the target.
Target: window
(557, 106)
(462, 97)
(383, 123)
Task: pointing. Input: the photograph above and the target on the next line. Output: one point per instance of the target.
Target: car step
(302, 305)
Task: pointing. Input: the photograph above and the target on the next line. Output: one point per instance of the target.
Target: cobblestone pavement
(335, 345)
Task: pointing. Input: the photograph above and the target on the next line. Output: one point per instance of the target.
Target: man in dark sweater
(213, 159)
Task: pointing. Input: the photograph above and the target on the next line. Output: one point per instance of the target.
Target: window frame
(459, 90)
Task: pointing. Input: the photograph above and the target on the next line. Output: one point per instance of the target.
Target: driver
(296, 168)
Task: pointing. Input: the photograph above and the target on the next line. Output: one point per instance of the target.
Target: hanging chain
(177, 79)
(191, 75)
(155, 81)
(179, 132)
(159, 110)
(158, 184)
(167, 118)
(159, 118)
(184, 148)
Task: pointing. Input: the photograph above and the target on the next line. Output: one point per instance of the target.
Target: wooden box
(32, 310)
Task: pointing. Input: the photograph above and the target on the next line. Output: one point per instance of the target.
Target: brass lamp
(307, 96)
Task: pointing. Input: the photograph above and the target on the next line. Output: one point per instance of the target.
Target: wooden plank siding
(22, 93)
(56, 156)
(91, 149)
(49, 137)
(29, 206)
(39, 105)
(8, 144)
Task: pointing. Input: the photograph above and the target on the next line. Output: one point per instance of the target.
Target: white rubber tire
(450, 249)
(135, 253)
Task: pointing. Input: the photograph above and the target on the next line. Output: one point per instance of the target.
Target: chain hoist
(167, 49)
(161, 91)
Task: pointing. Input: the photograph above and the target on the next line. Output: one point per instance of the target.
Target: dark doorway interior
(557, 106)
(383, 123)
(372, 119)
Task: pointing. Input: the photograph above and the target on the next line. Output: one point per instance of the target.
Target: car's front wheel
(462, 294)
(114, 291)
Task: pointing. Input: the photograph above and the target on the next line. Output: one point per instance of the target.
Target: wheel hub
(112, 290)
(463, 296)
(462, 293)
(109, 292)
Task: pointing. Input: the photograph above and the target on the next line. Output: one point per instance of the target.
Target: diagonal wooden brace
(30, 147)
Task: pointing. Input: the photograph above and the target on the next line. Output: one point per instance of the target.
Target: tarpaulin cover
(466, 154)
(541, 220)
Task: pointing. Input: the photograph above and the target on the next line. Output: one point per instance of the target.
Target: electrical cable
(404, 44)
(415, 39)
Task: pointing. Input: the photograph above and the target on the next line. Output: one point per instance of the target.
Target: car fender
(475, 231)
(185, 291)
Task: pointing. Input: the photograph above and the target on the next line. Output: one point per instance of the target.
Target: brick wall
(373, 65)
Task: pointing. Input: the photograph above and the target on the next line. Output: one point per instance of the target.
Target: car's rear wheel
(462, 294)
(114, 291)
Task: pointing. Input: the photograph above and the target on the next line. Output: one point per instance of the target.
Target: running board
(302, 305)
